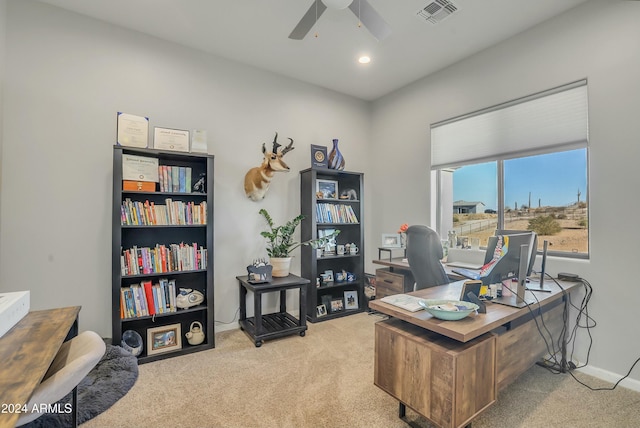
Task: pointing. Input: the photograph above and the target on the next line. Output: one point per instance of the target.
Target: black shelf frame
(311, 265)
(149, 235)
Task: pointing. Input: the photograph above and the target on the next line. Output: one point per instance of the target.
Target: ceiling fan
(366, 14)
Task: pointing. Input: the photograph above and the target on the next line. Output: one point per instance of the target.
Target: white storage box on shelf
(13, 307)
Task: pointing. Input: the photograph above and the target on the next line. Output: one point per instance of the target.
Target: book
(182, 180)
(175, 179)
(148, 294)
(188, 179)
(165, 176)
(404, 301)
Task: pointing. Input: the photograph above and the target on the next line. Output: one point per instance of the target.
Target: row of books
(145, 299)
(335, 213)
(161, 258)
(174, 178)
(173, 213)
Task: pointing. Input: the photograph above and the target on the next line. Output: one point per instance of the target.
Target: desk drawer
(388, 283)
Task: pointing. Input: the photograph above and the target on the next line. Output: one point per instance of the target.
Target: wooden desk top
(475, 324)
(399, 263)
(396, 262)
(26, 352)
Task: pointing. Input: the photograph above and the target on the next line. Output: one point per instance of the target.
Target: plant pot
(281, 266)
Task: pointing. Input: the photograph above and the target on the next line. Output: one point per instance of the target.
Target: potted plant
(280, 242)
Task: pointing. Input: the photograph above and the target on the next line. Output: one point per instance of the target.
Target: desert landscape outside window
(546, 193)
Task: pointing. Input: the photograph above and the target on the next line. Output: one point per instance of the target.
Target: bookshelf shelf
(156, 249)
(349, 213)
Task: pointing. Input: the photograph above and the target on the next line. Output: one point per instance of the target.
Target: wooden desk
(446, 360)
(26, 352)
(397, 278)
(268, 326)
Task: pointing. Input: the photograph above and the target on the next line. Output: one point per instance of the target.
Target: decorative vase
(336, 161)
(281, 266)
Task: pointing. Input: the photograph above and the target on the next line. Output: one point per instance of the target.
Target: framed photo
(164, 339)
(328, 274)
(391, 240)
(321, 310)
(351, 299)
(327, 188)
(337, 305)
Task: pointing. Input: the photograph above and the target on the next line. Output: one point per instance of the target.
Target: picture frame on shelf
(321, 310)
(133, 130)
(351, 299)
(327, 188)
(337, 305)
(328, 275)
(391, 240)
(162, 339)
(319, 157)
(330, 247)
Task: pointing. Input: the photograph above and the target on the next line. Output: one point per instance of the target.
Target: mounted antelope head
(257, 180)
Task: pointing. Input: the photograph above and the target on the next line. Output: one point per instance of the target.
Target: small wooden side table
(269, 326)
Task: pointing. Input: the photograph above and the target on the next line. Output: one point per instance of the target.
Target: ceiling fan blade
(308, 20)
(370, 19)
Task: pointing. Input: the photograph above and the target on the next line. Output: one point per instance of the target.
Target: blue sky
(553, 180)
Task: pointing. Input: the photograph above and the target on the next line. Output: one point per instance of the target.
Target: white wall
(66, 77)
(600, 41)
(3, 23)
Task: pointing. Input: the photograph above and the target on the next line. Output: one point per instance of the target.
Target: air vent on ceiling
(437, 10)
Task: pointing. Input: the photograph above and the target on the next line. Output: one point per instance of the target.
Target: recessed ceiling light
(364, 60)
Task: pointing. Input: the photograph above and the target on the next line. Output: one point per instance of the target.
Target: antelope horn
(275, 144)
(288, 148)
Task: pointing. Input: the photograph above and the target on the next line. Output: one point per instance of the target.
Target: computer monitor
(533, 248)
(509, 258)
(502, 258)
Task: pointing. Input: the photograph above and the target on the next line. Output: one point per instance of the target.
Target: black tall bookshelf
(126, 236)
(329, 212)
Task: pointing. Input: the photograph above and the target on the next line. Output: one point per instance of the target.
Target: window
(484, 183)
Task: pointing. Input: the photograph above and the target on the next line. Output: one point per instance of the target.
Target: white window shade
(554, 118)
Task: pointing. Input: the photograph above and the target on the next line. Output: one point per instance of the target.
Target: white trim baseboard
(610, 377)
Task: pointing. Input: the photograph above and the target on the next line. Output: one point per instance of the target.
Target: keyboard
(404, 301)
(464, 265)
(467, 273)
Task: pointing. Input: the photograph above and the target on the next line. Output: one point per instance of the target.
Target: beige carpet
(325, 379)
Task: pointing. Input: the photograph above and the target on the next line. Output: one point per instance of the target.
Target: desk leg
(74, 403)
(303, 307)
(564, 367)
(257, 313)
(402, 410)
(243, 302)
(73, 332)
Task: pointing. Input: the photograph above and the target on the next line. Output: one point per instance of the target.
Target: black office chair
(424, 252)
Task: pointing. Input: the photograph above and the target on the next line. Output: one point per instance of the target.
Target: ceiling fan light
(337, 4)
